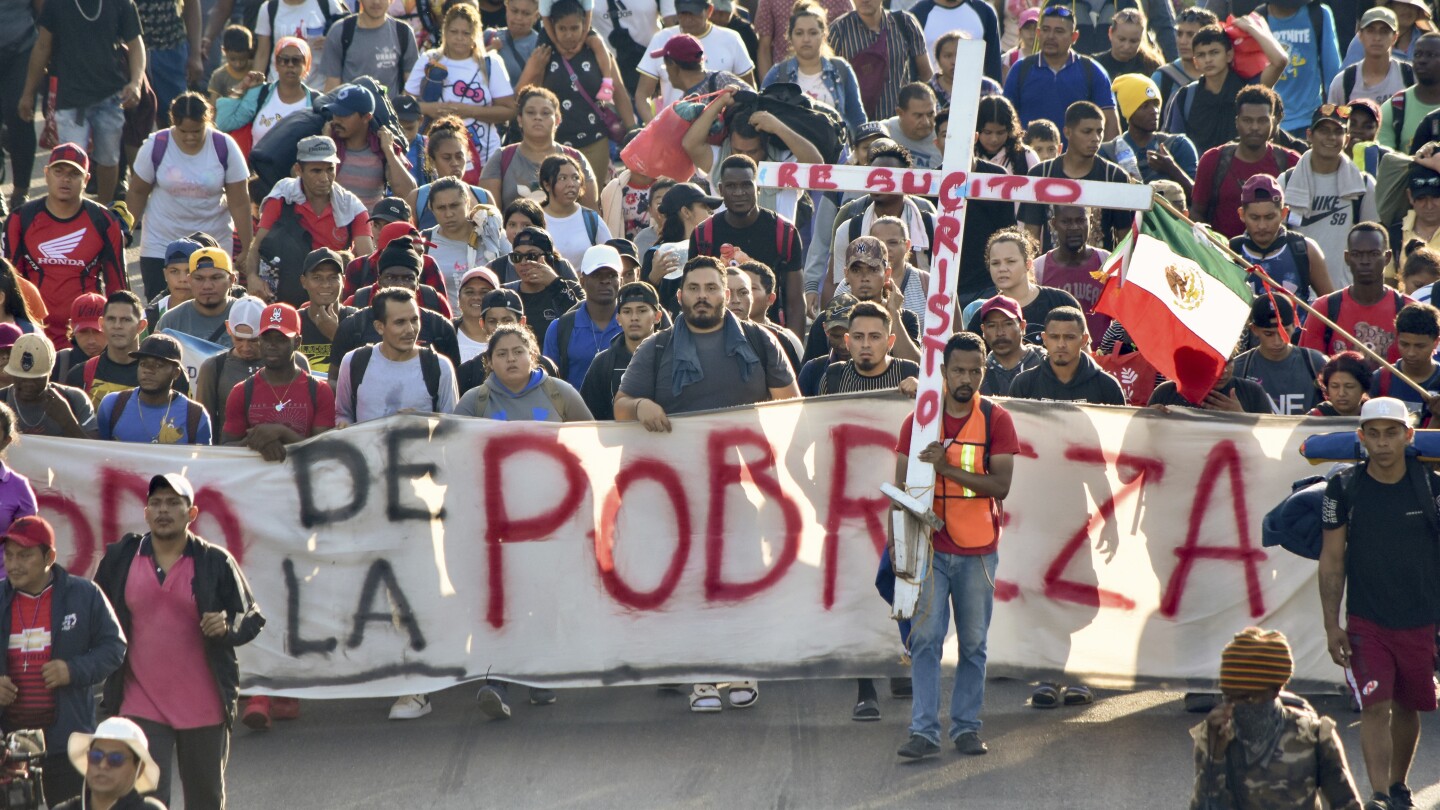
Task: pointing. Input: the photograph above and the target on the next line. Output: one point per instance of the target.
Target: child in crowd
(1044, 138)
(238, 46)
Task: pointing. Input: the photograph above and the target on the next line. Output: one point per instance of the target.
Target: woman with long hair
(821, 74)
(459, 78)
(1010, 256)
(1130, 48)
(188, 178)
(574, 227)
(516, 171)
(998, 137)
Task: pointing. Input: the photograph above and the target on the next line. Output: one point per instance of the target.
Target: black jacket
(602, 381)
(1091, 384)
(219, 586)
(85, 635)
(130, 801)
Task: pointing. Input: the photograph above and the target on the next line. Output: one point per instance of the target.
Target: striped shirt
(851, 381)
(30, 650)
(849, 36)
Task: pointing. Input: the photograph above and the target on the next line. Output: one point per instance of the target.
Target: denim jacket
(839, 79)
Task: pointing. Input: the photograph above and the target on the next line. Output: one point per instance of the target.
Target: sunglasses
(114, 759)
(517, 257)
(289, 61)
(1425, 182)
(1058, 11)
(1341, 110)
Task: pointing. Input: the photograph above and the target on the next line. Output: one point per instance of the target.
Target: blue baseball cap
(351, 99)
(179, 251)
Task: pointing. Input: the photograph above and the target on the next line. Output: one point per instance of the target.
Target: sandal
(1076, 695)
(704, 697)
(744, 694)
(1045, 696)
(866, 710)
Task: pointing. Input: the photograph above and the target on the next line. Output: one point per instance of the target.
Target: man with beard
(1255, 751)
(973, 460)
(1068, 373)
(870, 367)
(1003, 326)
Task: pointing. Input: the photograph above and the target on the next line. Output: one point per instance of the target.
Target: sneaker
(493, 703)
(917, 747)
(971, 745)
(410, 707)
(257, 713)
(1379, 801)
(541, 697)
(901, 688)
(1400, 797)
(284, 708)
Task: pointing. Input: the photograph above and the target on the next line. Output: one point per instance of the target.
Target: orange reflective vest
(971, 520)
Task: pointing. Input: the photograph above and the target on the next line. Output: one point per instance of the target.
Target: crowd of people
(436, 208)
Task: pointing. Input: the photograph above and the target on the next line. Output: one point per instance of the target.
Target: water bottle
(1125, 156)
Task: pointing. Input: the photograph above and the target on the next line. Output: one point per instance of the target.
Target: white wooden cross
(953, 185)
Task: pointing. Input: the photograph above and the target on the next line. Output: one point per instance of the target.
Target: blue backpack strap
(422, 199)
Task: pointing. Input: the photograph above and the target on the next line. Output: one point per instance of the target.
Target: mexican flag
(1183, 302)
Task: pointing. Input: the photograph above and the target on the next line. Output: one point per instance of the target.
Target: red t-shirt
(30, 648)
(1227, 202)
(1003, 441)
(288, 405)
(324, 233)
(1374, 325)
(65, 258)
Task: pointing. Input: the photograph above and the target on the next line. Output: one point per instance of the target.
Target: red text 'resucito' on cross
(952, 185)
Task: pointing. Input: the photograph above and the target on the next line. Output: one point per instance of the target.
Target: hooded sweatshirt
(531, 404)
(1090, 384)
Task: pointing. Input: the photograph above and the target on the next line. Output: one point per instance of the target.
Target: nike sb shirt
(1328, 218)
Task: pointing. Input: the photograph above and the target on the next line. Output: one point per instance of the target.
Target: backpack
(1299, 248)
(193, 411)
(429, 369)
(331, 15)
(403, 33)
(272, 158)
(1295, 525)
(283, 251)
(248, 390)
(1332, 311)
(1397, 118)
(1351, 76)
(547, 384)
(429, 297)
(705, 239)
(1222, 168)
(1248, 359)
(162, 145)
(507, 155)
(100, 218)
(754, 334)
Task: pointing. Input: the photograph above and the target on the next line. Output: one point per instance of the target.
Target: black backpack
(284, 248)
(429, 369)
(1351, 76)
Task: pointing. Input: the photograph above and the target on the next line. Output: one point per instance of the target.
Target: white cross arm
(970, 185)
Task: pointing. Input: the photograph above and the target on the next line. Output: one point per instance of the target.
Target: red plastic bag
(656, 151)
(1133, 371)
(1250, 60)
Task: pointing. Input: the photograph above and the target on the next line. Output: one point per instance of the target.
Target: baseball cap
(32, 357)
(244, 319)
(1265, 309)
(9, 333)
(392, 209)
(1133, 90)
(70, 153)
(1028, 16)
(206, 258)
(282, 318)
(121, 730)
(1339, 113)
(637, 292)
(682, 196)
(87, 311)
(599, 257)
(540, 238)
(868, 130)
(692, 7)
(867, 250)
(349, 100)
(406, 108)
(484, 273)
(1384, 408)
(397, 229)
(31, 531)
(1171, 191)
(838, 313)
(1005, 304)
(626, 249)
(1420, 5)
(1261, 188)
(683, 47)
(160, 347)
(1424, 181)
(181, 250)
(319, 256)
(1380, 14)
(175, 481)
(504, 299)
(316, 149)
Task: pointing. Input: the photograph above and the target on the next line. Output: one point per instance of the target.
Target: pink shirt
(169, 679)
(1079, 282)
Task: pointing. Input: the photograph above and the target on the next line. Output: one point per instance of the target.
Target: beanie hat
(1256, 659)
(1132, 90)
(399, 253)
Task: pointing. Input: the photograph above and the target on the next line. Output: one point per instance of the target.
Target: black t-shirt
(762, 240)
(87, 58)
(313, 343)
(111, 377)
(1034, 312)
(580, 125)
(1111, 219)
(547, 305)
(982, 218)
(1391, 553)
(1253, 398)
(1210, 121)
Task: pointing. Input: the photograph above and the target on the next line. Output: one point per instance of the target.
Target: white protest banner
(415, 553)
(194, 351)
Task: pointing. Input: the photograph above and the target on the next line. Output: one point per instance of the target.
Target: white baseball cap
(117, 729)
(244, 317)
(1384, 408)
(598, 257)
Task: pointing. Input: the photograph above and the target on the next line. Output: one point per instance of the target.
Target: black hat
(626, 248)
(534, 237)
(1263, 312)
(319, 256)
(160, 347)
(391, 209)
(406, 108)
(637, 292)
(503, 298)
(682, 196)
(1424, 181)
(399, 253)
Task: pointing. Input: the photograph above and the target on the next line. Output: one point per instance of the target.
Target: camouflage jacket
(1310, 762)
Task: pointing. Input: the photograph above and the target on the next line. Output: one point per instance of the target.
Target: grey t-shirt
(1290, 383)
(32, 419)
(373, 52)
(521, 172)
(453, 259)
(927, 155)
(722, 387)
(390, 387)
(186, 319)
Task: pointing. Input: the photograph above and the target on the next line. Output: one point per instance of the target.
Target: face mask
(1257, 728)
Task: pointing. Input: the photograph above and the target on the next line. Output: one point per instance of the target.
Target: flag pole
(1314, 313)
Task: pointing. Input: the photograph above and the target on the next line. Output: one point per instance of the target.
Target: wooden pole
(1314, 313)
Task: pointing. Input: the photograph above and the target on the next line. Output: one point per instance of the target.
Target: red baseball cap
(394, 231)
(31, 531)
(87, 311)
(72, 154)
(1005, 304)
(281, 318)
(681, 48)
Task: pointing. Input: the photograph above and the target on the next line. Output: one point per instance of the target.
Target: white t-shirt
(477, 87)
(724, 50)
(640, 17)
(1393, 83)
(304, 20)
(814, 87)
(189, 193)
(273, 112)
(469, 349)
(571, 237)
(943, 19)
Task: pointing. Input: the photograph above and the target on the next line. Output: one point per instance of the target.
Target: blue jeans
(166, 69)
(966, 584)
